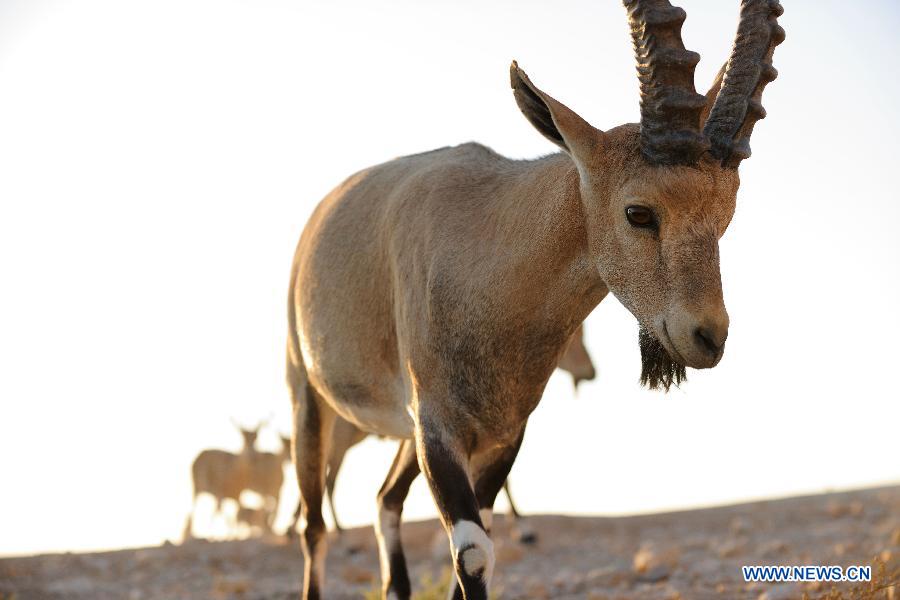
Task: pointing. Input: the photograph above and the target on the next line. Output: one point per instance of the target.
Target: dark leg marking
(490, 479)
(473, 552)
(312, 431)
(394, 575)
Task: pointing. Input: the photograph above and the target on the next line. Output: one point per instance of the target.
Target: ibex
(266, 476)
(344, 435)
(432, 296)
(223, 475)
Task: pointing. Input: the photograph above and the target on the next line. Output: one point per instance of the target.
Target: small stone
(836, 509)
(654, 574)
(652, 558)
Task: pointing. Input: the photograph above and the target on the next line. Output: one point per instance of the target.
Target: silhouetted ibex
(223, 475)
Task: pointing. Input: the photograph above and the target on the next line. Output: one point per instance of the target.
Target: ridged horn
(670, 105)
(738, 105)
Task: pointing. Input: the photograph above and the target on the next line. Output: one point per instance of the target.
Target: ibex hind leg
(522, 530)
(313, 421)
(395, 583)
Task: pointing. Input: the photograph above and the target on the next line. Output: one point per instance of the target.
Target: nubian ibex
(266, 476)
(432, 296)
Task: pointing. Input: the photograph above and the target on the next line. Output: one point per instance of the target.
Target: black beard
(658, 370)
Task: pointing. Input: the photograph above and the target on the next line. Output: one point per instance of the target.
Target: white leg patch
(387, 532)
(473, 550)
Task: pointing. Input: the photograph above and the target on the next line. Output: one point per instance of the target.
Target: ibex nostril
(708, 340)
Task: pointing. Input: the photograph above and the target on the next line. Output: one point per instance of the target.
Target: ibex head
(658, 196)
(249, 435)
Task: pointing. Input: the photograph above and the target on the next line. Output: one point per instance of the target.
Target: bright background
(158, 160)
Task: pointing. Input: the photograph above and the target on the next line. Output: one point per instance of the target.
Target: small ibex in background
(575, 360)
(266, 477)
(223, 475)
(432, 296)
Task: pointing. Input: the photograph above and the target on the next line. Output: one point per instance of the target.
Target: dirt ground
(689, 555)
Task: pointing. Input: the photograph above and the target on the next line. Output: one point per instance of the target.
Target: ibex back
(432, 296)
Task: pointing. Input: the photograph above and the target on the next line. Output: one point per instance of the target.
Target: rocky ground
(689, 555)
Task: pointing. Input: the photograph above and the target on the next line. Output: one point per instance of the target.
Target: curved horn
(670, 105)
(738, 104)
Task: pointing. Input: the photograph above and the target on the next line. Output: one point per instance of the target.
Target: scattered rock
(651, 557)
(687, 555)
(654, 574)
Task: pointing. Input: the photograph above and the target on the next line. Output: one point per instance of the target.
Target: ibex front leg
(490, 471)
(444, 461)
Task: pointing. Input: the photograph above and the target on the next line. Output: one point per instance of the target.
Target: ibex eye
(640, 216)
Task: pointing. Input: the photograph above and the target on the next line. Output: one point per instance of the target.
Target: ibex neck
(540, 219)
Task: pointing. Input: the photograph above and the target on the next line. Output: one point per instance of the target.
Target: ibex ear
(556, 121)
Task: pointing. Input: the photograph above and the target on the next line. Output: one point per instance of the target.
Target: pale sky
(158, 160)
